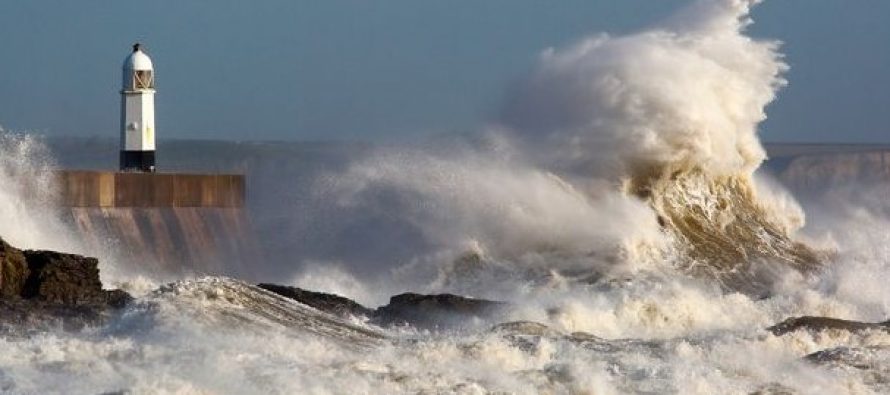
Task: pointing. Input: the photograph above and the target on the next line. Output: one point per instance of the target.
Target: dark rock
(329, 303)
(434, 311)
(21, 316)
(853, 357)
(528, 328)
(774, 389)
(61, 278)
(13, 270)
(68, 279)
(42, 290)
(420, 311)
(871, 359)
(816, 324)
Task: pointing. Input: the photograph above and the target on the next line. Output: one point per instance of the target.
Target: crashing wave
(673, 110)
(721, 229)
(231, 304)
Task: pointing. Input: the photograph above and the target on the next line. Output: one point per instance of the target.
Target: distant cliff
(817, 167)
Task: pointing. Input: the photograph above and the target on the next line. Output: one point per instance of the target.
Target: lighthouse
(138, 113)
(179, 222)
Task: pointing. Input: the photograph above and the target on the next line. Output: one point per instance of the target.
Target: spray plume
(689, 92)
(666, 117)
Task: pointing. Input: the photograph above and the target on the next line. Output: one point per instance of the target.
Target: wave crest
(721, 229)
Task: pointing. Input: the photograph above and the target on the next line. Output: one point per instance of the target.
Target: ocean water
(616, 205)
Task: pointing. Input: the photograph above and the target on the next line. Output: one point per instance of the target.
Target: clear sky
(389, 69)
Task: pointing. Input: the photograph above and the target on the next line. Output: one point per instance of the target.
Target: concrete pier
(114, 189)
(162, 222)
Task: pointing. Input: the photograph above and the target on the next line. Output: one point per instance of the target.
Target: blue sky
(389, 69)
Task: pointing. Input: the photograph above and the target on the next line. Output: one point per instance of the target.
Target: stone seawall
(164, 223)
(109, 189)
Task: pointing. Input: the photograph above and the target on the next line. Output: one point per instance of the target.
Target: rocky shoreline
(819, 324)
(44, 290)
(438, 311)
(48, 289)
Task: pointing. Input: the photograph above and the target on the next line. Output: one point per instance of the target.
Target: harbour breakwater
(165, 223)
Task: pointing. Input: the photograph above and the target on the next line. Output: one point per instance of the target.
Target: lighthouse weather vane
(137, 113)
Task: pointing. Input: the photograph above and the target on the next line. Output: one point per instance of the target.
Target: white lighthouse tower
(138, 113)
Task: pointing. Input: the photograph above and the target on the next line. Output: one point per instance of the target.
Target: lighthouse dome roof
(137, 60)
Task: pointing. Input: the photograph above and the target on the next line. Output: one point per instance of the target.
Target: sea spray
(686, 95)
(672, 113)
(616, 154)
(30, 215)
(27, 197)
(506, 211)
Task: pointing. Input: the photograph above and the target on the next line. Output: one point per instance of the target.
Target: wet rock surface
(67, 279)
(442, 311)
(13, 270)
(817, 324)
(47, 290)
(854, 357)
(871, 360)
(434, 311)
(41, 290)
(329, 303)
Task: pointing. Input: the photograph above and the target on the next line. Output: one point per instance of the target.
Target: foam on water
(222, 336)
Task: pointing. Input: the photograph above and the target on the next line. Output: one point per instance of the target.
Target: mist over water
(614, 205)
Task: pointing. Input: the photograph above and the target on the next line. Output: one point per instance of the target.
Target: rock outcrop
(68, 279)
(442, 311)
(434, 311)
(48, 289)
(13, 271)
(871, 359)
(817, 324)
(329, 303)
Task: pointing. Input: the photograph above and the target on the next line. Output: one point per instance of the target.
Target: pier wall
(162, 222)
(111, 189)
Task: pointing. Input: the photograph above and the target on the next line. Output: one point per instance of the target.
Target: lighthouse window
(143, 79)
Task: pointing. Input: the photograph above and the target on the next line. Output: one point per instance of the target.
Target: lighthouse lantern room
(137, 113)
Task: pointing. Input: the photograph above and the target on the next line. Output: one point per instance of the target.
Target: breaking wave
(27, 194)
(615, 155)
(672, 112)
(216, 335)
(723, 231)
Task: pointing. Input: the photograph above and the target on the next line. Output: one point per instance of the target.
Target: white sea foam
(688, 91)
